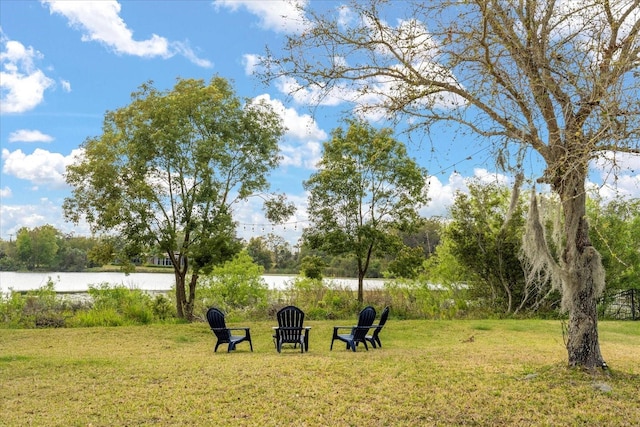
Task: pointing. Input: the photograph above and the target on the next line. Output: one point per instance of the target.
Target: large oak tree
(167, 170)
(558, 79)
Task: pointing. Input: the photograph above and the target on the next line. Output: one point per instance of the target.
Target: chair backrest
(365, 318)
(290, 317)
(217, 324)
(383, 317)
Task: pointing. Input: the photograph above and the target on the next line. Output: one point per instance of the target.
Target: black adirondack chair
(359, 332)
(290, 329)
(225, 335)
(374, 339)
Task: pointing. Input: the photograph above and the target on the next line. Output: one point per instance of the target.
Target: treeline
(478, 247)
(46, 248)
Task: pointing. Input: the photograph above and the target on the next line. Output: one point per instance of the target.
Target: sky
(64, 64)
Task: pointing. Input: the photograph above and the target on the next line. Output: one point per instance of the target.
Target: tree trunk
(189, 303)
(361, 286)
(181, 296)
(583, 277)
(583, 344)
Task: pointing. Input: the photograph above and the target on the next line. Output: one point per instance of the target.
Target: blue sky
(64, 64)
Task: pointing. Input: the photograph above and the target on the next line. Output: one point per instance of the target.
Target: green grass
(513, 372)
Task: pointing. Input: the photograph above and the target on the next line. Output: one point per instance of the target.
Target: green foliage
(235, 285)
(486, 238)
(182, 158)
(37, 248)
(418, 299)
(407, 263)
(615, 233)
(312, 266)
(39, 308)
(259, 252)
(365, 189)
(322, 300)
(162, 308)
(120, 305)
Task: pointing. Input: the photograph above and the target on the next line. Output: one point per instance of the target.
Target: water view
(153, 282)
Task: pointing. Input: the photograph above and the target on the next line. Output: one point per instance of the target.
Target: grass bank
(445, 373)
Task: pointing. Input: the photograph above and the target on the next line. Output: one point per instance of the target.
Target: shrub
(35, 309)
(235, 285)
(132, 305)
(163, 308)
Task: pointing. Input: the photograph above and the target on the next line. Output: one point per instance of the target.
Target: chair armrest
(238, 329)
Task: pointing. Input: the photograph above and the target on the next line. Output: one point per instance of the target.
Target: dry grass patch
(427, 373)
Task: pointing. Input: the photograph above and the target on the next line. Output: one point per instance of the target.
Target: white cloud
(486, 177)
(28, 135)
(442, 195)
(302, 142)
(283, 16)
(100, 21)
(66, 85)
(13, 217)
(617, 174)
(41, 167)
(22, 84)
(5, 192)
(251, 63)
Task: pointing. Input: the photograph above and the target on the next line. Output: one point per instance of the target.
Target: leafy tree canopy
(169, 167)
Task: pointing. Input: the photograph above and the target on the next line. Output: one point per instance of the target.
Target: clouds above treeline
(35, 153)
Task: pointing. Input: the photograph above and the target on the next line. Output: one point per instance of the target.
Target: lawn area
(444, 373)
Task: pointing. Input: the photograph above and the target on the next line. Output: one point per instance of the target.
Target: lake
(153, 282)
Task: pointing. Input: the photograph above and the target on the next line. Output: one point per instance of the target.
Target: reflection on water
(80, 282)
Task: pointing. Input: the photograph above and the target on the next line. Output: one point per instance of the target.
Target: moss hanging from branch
(539, 264)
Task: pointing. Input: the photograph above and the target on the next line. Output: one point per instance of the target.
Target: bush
(163, 308)
(236, 285)
(133, 306)
(35, 309)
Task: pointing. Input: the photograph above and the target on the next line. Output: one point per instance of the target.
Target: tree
(366, 187)
(485, 237)
(558, 79)
(616, 234)
(37, 248)
(258, 251)
(167, 170)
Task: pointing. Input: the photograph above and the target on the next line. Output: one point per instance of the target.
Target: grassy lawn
(483, 372)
